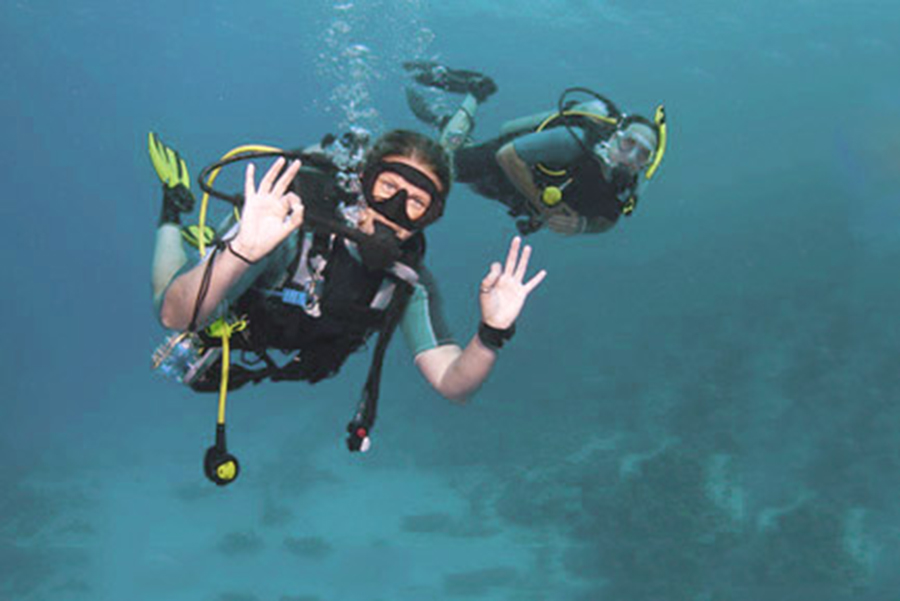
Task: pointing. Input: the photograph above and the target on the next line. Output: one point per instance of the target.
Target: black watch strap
(494, 338)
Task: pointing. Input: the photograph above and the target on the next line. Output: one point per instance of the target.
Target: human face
(418, 199)
(632, 148)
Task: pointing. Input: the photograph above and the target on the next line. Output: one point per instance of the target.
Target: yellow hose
(602, 118)
(223, 385)
(204, 203)
(223, 330)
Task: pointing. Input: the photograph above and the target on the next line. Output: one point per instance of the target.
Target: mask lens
(393, 187)
(634, 148)
(404, 194)
(417, 206)
(643, 155)
(626, 143)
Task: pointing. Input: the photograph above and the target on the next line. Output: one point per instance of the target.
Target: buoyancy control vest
(326, 304)
(325, 307)
(583, 184)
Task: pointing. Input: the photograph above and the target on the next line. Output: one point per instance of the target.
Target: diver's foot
(423, 110)
(458, 81)
(481, 87)
(173, 173)
(196, 237)
(176, 200)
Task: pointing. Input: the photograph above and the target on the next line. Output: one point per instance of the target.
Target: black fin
(458, 81)
(421, 109)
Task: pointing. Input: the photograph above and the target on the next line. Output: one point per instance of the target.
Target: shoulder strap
(363, 421)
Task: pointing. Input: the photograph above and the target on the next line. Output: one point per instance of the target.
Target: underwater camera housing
(183, 358)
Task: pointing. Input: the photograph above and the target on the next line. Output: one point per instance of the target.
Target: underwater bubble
(357, 50)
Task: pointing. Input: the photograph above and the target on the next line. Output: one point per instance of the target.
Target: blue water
(700, 405)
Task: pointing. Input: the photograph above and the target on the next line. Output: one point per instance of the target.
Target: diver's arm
(269, 215)
(450, 370)
(565, 222)
(518, 173)
(569, 223)
(554, 146)
(182, 295)
(457, 373)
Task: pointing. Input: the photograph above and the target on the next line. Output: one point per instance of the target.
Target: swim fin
(458, 81)
(169, 165)
(193, 235)
(422, 109)
(172, 171)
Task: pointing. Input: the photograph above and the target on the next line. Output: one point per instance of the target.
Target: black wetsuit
(590, 193)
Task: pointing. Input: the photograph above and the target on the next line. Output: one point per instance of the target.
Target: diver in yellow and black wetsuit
(575, 169)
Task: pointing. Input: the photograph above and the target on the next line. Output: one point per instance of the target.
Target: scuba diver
(327, 250)
(575, 169)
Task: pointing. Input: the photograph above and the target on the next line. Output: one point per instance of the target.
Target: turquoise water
(699, 405)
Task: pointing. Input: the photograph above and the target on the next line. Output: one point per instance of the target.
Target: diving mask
(632, 149)
(394, 200)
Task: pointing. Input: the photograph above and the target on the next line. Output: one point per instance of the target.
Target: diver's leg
(168, 257)
(456, 131)
(421, 108)
(476, 86)
(458, 81)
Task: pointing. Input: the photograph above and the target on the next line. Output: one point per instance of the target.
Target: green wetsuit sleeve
(423, 322)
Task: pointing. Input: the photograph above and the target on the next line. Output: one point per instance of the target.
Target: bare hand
(270, 212)
(502, 292)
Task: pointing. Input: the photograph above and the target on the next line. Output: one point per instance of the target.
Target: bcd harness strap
(363, 421)
(391, 298)
(596, 125)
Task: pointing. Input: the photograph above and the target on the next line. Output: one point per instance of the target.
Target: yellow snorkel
(660, 119)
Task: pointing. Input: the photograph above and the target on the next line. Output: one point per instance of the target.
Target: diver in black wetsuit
(576, 169)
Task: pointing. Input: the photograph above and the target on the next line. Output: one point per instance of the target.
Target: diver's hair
(410, 144)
